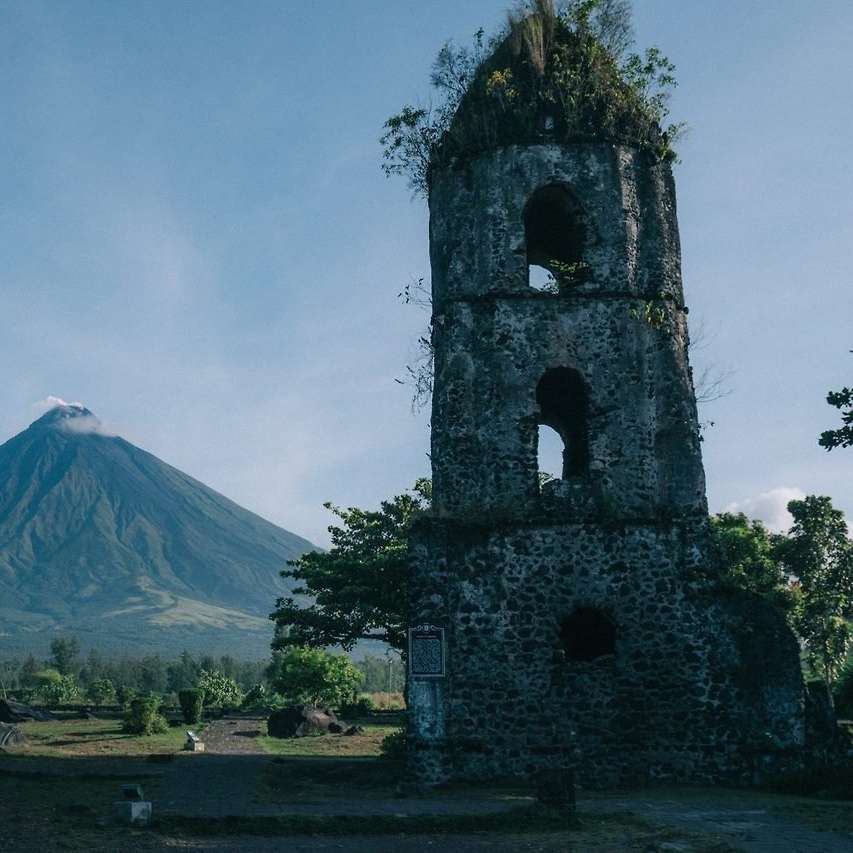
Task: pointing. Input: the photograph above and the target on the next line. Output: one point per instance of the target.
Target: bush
(192, 702)
(256, 699)
(360, 707)
(394, 746)
(219, 690)
(143, 717)
(56, 689)
(125, 695)
(101, 691)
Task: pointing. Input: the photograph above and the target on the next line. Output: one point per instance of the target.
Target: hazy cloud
(770, 507)
(51, 402)
(83, 423)
(86, 424)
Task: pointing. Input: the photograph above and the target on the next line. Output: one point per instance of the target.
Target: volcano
(103, 540)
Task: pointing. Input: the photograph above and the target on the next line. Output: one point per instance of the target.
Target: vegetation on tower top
(552, 74)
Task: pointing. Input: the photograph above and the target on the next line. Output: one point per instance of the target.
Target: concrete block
(132, 812)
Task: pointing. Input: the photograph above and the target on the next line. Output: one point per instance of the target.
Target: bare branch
(420, 372)
(713, 380)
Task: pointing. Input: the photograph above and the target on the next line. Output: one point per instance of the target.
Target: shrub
(101, 691)
(394, 746)
(192, 702)
(125, 695)
(256, 698)
(219, 689)
(359, 707)
(143, 717)
(56, 689)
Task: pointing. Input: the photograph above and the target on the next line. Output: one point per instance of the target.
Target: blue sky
(198, 242)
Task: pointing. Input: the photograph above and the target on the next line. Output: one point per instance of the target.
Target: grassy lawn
(328, 746)
(78, 738)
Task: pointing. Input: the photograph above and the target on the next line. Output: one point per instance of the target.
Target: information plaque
(426, 651)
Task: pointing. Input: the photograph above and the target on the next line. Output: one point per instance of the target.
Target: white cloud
(83, 423)
(51, 402)
(770, 507)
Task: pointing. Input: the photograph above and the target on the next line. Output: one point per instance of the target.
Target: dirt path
(232, 737)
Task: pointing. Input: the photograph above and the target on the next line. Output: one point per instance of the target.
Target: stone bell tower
(573, 616)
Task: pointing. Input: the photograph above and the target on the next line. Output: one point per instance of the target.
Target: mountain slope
(103, 539)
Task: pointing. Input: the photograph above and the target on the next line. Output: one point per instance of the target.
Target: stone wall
(688, 681)
(701, 685)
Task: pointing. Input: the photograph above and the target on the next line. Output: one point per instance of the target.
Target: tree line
(67, 677)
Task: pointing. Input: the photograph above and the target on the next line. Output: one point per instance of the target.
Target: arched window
(588, 634)
(554, 233)
(561, 396)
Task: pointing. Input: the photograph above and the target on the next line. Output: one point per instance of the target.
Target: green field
(329, 746)
(79, 738)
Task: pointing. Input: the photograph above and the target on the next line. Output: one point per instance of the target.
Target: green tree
(382, 674)
(101, 691)
(9, 677)
(182, 674)
(306, 675)
(818, 552)
(228, 666)
(152, 674)
(65, 655)
(192, 704)
(843, 436)
(745, 555)
(54, 688)
(843, 691)
(358, 586)
(219, 689)
(94, 669)
(27, 674)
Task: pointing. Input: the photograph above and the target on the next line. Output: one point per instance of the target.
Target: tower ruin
(577, 615)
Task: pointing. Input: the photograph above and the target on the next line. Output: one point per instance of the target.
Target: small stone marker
(133, 812)
(133, 809)
(194, 742)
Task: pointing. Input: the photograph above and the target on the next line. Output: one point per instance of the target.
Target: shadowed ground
(238, 796)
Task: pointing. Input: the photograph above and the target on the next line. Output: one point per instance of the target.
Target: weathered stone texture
(700, 684)
(693, 689)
